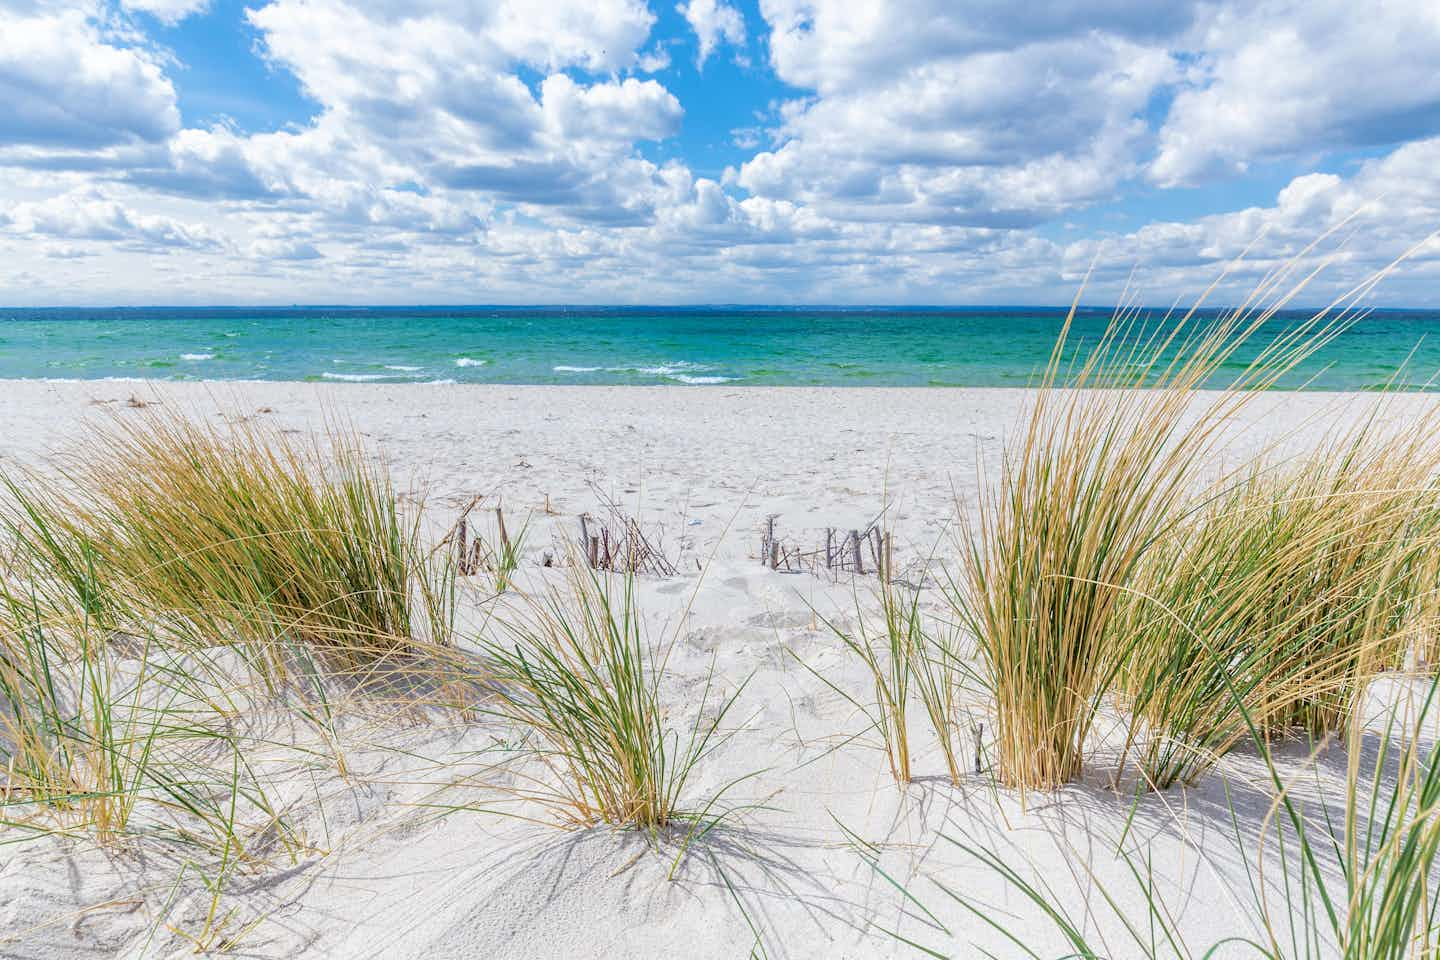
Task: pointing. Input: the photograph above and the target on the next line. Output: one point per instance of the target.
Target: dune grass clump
(901, 655)
(890, 655)
(1283, 595)
(232, 536)
(117, 739)
(72, 735)
(1103, 463)
(579, 678)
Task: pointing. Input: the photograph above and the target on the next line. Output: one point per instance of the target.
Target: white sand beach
(410, 852)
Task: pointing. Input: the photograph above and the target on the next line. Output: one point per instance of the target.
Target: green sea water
(739, 346)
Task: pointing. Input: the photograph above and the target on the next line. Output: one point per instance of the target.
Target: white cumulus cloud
(67, 84)
(1285, 76)
(169, 12)
(714, 22)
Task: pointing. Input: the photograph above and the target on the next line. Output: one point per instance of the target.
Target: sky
(712, 151)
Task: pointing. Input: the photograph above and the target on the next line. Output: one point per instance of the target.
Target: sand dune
(410, 853)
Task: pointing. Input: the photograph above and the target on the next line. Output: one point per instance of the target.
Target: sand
(410, 855)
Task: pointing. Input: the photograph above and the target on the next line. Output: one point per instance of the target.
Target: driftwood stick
(500, 522)
(449, 537)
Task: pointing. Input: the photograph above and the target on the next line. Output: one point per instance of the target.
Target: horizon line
(688, 306)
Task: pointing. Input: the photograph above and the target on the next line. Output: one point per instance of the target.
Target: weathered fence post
(504, 537)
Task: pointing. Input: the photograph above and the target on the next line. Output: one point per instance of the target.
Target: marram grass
(1114, 440)
(904, 658)
(1283, 593)
(890, 653)
(232, 535)
(577, 675)
(118, 739)
(1357, 883)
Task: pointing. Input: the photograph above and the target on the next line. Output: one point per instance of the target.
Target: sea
(690, 346)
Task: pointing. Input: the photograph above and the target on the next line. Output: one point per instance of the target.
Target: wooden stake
(504, 537)
(593, 549)
(859, 560)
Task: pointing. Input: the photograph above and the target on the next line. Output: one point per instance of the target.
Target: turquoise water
(734, 346)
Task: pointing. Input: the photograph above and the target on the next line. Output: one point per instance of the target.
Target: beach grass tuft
(577, 674)
(1285, 592)
(890, 654)
(1115, 437)
(234, 535)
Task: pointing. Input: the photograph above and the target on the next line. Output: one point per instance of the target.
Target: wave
(356, 377)
(662, 370)
(468, 362)
(680, 371)
(197, 356)
(567, 369)
(402, 368)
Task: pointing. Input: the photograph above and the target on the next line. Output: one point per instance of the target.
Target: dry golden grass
(233, 535)
(1113, 443)
(1284, 593)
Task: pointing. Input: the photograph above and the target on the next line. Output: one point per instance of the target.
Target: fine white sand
(410, 856)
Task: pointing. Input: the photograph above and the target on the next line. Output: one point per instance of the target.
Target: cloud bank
(906, 151)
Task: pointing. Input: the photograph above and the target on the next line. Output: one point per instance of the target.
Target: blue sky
(622, 151)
